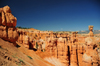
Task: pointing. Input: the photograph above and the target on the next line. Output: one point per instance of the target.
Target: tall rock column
(80, 51)
(8, 22)
(65, 53)
(20, 38)
(73, 58)
(60, 47)
(54, 51)
(91, 31)
(73, 50)
(25, 40)
(62, 50)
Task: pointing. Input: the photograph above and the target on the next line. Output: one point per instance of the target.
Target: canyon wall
(69, 49)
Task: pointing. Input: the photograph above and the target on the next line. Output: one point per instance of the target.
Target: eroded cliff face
(68, 49)
(7, 25)
(9, 54)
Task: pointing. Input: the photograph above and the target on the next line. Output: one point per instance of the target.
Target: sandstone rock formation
(90, 57)
(7, 25)
(91, 31)
(69, 49)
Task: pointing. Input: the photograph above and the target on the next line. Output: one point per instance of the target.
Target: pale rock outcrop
(90, 57)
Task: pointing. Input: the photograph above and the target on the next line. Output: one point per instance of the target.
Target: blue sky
(56, 15)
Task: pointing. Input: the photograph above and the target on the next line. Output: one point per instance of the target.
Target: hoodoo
(8, 22)
(57, 48)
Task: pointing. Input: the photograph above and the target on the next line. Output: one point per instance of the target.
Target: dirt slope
(13, 56)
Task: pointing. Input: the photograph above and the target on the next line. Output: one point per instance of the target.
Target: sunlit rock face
(67, 49)
(63, 49)
(7, 25)
(70, 50)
